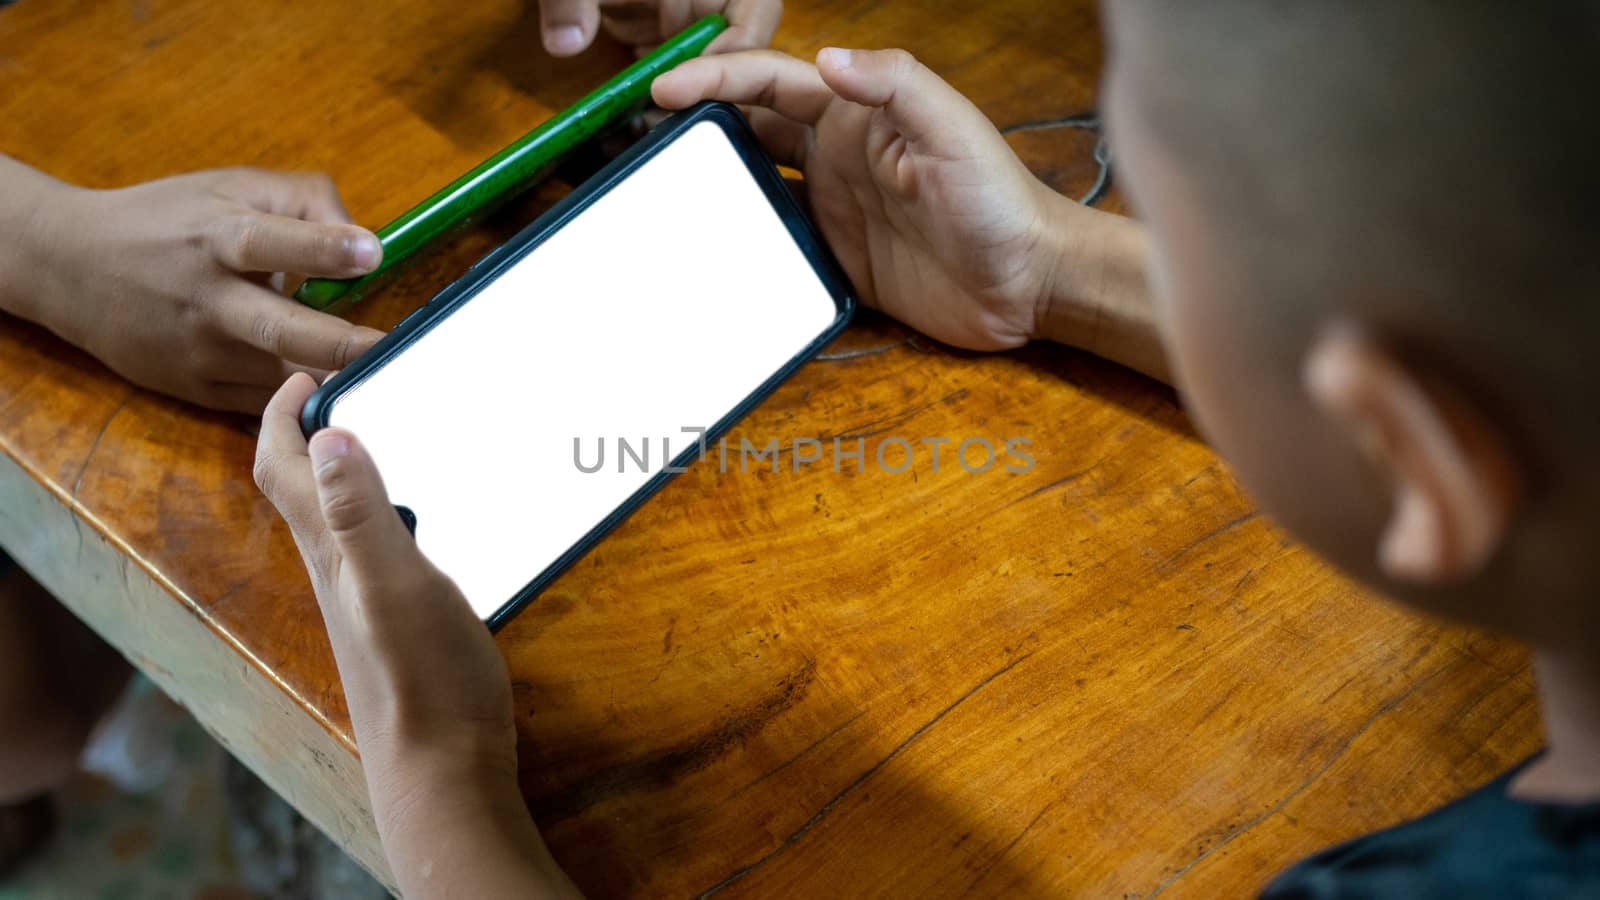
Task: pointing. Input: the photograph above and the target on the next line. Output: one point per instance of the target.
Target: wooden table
(1107, 677)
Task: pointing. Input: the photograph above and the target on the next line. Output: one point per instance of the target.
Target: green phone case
(515, 169)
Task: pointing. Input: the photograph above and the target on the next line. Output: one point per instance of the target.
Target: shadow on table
(455, 97)
(1155, 403)
(1145, 398)
(864, 828)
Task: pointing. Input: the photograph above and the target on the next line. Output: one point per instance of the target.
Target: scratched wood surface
(1105, 677)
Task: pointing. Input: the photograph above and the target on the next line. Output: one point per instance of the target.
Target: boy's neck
(1569, 700)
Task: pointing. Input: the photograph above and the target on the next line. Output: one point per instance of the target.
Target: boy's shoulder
(1487, 844)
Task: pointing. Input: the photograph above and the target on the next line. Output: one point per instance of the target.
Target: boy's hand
(421, 673)
(428, 692)
(569, 26)
(175, 284)
(935, 219)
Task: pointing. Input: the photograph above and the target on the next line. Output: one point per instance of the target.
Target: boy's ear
(1455, 481)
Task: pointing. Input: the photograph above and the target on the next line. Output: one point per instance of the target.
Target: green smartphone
(513, 170)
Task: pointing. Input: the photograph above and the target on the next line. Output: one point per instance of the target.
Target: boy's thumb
(925, 109)
(368, 532)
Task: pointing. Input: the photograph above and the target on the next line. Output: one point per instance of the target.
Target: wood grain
(1107, 676)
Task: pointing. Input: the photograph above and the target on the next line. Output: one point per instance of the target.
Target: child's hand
(428, 692)
(175, 284)
(421, 673)
(935, 219)
(570, 25)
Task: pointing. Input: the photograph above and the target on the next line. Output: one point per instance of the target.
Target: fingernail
(365, 251)
(564, 39)
(835, 58)
(326, 447)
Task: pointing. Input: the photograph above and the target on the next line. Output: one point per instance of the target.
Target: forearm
(464, 835)
(27, 197)
(1099, 296)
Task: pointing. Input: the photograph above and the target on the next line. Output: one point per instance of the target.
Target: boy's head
(1376, 233)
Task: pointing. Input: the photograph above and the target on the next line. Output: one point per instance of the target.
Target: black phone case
(321, 403)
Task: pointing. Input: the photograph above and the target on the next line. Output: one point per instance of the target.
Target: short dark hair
(1436, 163)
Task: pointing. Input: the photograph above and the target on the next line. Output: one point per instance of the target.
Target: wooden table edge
(110, 587)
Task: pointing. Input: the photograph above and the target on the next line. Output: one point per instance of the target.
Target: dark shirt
(1486, 845)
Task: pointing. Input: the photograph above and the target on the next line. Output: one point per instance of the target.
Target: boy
(1361, 276)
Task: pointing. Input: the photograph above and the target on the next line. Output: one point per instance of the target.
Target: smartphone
(532, 405)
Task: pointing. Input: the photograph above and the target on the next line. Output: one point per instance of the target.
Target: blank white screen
(662, 306)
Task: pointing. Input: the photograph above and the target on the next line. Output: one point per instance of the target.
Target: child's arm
(173, 284)
(1098, 298)
(570, 26)
(936, 220)
(428, 692)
